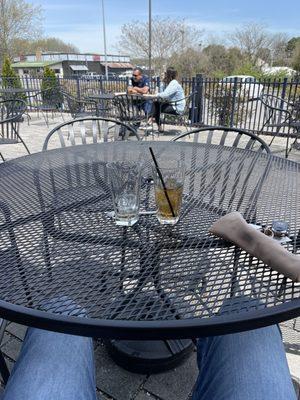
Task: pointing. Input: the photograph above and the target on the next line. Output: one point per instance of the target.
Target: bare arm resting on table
(135, 89)
(234, 228)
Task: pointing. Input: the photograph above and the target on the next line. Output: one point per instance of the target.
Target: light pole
(104, 40)
(150, 35)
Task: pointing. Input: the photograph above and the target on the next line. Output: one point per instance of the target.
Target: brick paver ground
(113, 382)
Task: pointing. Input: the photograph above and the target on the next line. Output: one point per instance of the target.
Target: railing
(231, 103)
(235, 103)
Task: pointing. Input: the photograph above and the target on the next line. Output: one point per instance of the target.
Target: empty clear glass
(125, 184)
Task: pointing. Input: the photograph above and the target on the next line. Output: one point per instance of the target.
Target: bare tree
(168, 37)
(296, 58)
(18, 20)
(252, 39)
(279, 49)
(188, 63)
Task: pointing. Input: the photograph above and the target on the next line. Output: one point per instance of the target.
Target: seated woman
(173, 97)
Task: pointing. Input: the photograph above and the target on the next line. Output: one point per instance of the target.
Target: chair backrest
(50, 97)
(130, 108)
(235, 177)
(78, 106)
(189, 101)
(277, 110)
(224, 136)
(188, 110)
(88, 130)
(85, 175)
(11, 112)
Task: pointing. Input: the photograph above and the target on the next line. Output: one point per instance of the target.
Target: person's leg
(53, 366)
(155, 111)
(243, 366)
(147, 107)
(168, 109)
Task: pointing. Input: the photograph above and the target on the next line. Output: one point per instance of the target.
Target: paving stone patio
(113, 382)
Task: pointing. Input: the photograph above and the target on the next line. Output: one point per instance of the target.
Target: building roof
(118, 65)
(40, 64)
(72, 52)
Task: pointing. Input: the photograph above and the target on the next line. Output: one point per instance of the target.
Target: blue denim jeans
(53, 366)
(242, 366)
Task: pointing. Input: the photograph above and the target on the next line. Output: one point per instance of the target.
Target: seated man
(140, 82)
(140, 85)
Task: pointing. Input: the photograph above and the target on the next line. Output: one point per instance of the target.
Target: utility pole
(104, 40)
(150, 37)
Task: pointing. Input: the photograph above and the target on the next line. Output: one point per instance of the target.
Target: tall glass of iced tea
(168, 196)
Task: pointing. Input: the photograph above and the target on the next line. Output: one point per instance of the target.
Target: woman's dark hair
(170, 74)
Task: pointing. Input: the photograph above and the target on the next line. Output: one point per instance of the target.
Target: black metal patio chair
(184, 118)
(89, 130)
(226, 170)
(225, 136)
(283, 118)
(11, 115)
(80, 108)
(230, 138)
(104, 102)
(223, 170)
(84, 180)
(48, 101)
(132, 110)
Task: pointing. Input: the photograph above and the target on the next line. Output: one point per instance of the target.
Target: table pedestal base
(153, 356)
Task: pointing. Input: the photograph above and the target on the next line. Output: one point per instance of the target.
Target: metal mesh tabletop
(66, 266)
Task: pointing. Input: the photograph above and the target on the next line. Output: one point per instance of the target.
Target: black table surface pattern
(66, 266)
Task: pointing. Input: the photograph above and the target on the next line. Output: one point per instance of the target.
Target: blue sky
(80, 21)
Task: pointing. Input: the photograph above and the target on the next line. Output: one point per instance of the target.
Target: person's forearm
(143, 90)
(234, 228)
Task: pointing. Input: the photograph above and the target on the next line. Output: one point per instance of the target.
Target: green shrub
(10, 79)
(51, 93)
(248, 69)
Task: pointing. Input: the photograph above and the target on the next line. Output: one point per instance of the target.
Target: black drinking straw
(162, 181)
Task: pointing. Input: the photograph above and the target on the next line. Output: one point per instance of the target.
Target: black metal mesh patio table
(66, 266)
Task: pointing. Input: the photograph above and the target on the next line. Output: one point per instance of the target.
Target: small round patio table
(65, 266)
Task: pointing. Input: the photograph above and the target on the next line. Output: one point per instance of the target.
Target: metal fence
(236, 103)
(231, 103)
